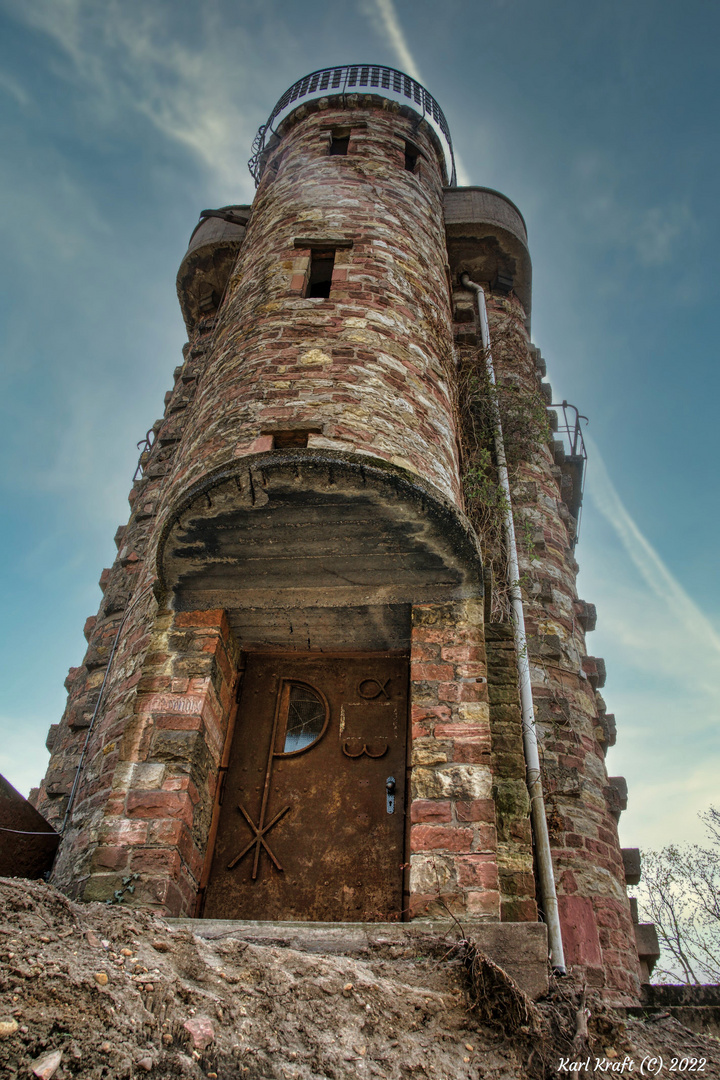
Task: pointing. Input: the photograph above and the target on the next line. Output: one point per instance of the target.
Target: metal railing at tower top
(352, 79)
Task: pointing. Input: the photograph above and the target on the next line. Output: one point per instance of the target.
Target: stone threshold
(520, 949)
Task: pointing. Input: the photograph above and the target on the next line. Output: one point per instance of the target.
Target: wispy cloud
(663, 655)
(384, 18)
(14, 89)
(23, 192)
(658, 232)
(647, 561)
(650, 233)
(195, 92)
(387, 24)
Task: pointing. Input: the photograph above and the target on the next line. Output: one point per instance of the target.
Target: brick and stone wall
(453, 835)
(123, 628)
(345, 369)
(157, 821)
(510, 794)
(369, 368)
(573, 731)
(367, 374)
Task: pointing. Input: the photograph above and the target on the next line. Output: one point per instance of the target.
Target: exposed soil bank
(92, 991)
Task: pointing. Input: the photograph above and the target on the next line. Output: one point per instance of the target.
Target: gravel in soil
(108, 993)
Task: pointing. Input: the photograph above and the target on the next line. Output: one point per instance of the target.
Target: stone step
(520, 948)
(696, 1007)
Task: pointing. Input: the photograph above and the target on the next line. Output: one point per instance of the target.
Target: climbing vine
(523, 415)
(128, 886)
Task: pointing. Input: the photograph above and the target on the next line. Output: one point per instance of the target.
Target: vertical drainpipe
(532, 761)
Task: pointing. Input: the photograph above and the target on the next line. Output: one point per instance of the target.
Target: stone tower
(299, 698)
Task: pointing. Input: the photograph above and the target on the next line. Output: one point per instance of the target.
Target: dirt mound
(97, 991)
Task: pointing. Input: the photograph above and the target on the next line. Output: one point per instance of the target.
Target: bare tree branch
(680, 893)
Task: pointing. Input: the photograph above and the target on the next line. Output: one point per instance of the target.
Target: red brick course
(477, 871)
(477, 810)
(428, 810)
(431, 837)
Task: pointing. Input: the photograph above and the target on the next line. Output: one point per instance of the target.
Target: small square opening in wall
(282, 440)
(292, 438)
(339, 142)
(322, 264)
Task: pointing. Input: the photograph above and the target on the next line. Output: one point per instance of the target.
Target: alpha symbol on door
(373, 688)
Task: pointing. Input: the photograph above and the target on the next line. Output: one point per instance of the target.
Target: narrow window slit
(411, 157)
(322, 264)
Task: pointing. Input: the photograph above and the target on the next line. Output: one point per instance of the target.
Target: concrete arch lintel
(300, 529)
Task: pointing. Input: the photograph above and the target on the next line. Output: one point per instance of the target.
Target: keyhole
(390, 794)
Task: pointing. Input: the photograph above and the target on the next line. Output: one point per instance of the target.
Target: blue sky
(121, 120)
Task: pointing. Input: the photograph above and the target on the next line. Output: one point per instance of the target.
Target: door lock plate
(390, 794)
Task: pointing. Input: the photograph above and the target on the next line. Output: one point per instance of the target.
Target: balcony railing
(571, 457)
(352, 79)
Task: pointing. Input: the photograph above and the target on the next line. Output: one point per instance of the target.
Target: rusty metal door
(311, 824)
